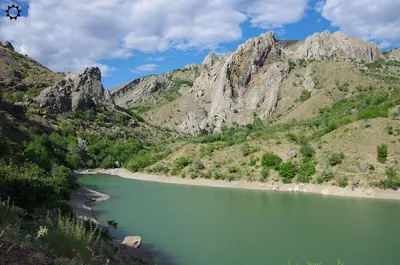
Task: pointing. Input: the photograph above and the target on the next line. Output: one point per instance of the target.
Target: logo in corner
(16, 11)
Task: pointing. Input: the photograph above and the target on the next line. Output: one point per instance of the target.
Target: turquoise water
(188, 225)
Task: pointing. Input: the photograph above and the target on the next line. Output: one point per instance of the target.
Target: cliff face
(246, 81)
(77, 91)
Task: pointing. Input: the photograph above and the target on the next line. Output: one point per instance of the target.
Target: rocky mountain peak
(7, 45)
(337, 45)
(77, 91)
(210, 59)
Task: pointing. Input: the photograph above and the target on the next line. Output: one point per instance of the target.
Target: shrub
(326, 176)
(307, 151)
(305, 95)
(253, 161)
(271, 160)
(233, 169)
(307, 169)
(382, 153)
(159, 169)
(392, 180)
(264, 173)
(112, 223)
(335, 158)
(342, 182)
(292, 137)
(220, 176)
(287, 170)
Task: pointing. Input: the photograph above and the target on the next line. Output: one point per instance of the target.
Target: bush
(392, 180)
(264, 173)
(382, 153)
(220, 176)
(287, 170)
(112, 223)
(159, 169)
(326, 176)
(271, 160)
(234, 169)
(342, 182)
(305, 95)
(307, 151)
(307, 169)
(335, 158)
(253, 161)
(292, 137)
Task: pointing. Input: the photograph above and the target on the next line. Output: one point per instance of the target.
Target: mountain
(250, 82)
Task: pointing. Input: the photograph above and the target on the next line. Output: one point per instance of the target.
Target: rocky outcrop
(337, 45)
(77, 91)
(210, 59)
(190, 125)
(394, 54)
(7, 45)
(244, 82)
(139, 89)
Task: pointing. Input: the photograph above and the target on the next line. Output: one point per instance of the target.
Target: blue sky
(130, 39)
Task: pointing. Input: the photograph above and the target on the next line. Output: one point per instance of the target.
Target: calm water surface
(188, 225)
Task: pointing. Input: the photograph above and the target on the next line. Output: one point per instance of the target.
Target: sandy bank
(80, 198)
(306, 188)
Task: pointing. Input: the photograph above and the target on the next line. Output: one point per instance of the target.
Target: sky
(128, 39)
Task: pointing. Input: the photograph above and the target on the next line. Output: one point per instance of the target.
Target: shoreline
(322, 189)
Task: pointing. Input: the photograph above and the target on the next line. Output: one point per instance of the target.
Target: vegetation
(382, 153)
(287, 171)
(271, 160)
(335, 158)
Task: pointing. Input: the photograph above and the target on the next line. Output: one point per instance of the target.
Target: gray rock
(190, 124)
(117, 164)
(82, 143)
(355, 181)
(77, 91)
(210, 59)
(363, 167)
(132, 241)
(338, 45)
(7, 45)
(292, 153)
(394, 54)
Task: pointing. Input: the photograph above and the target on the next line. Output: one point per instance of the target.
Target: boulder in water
(132, 241)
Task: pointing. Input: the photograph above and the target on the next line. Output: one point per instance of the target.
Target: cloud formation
(367, 19)
(70, 34)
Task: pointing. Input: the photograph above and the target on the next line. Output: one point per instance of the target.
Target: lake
(191, 225)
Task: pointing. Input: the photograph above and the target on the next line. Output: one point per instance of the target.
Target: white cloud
(68, 34)
(145, 68)
(275, 13)
(156, 59)
(367, 19)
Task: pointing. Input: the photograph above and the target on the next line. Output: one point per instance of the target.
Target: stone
(7, 45)
(82, 143)
(355, 181)
(275, 188)
(77, 91)
(296, 188)
(292, 153)
(262, 185)
(290, 189)
(210, 59)
(117, 164)
(132, 241)
(363, 167)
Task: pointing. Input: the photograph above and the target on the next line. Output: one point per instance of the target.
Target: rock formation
(77, 91)
(337, 45)
(7, 45)
(394, 54)
(139, 89)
